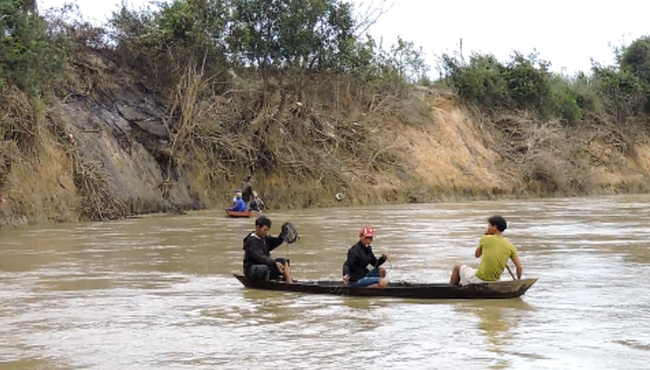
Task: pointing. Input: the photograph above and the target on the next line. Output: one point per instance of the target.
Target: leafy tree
(291, 33)
(635, 59)
(527, 83)
(193, 25)
(29, 56)
(620, 92)
(178, 34)
(480, 81)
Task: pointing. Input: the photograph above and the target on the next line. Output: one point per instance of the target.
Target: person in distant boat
(258, 245)
(256, 204)
(234, 199)
(355, 268)
(494, 250)
(247, 192)
(239, 204)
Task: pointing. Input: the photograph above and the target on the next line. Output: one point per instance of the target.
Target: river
(157, 292)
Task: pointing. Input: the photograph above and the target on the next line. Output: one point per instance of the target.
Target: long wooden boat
(230, 213)
(496, 290)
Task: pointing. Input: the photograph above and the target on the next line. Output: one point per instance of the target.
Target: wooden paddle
(510, 271)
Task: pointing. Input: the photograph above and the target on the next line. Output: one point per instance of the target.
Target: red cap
(367, 231)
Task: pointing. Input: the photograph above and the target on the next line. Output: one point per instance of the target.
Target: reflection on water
(157, 292)
(497, 320)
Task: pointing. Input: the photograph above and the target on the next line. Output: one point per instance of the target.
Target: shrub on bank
(621, 91)
(31, 57)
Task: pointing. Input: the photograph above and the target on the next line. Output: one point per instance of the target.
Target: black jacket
(247, 191)
(359, 257)
(258, 251)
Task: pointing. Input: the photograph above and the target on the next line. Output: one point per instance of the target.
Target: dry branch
(370, 16)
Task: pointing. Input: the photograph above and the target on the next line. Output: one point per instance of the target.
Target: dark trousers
(266, 272)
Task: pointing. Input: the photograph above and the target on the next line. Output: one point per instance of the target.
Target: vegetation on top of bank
(619, 92)
(290, 40)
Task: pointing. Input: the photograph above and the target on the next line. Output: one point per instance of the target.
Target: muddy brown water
(157, 292)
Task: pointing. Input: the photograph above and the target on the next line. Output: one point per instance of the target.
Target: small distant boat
(497, 290)
(242, 214)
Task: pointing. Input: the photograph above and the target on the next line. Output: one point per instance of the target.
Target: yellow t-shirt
(496, 252)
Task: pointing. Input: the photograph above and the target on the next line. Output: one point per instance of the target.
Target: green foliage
(192, 25)
(620, 93)
(292, 33)
(159, 43)
(279, 33)
(480, 81)
(565, 97)
(295, 37)
(404, 62)
(635, 59)
(302, 37)
(30, 56)
(522, 83)
(525, 83)
(391, 70)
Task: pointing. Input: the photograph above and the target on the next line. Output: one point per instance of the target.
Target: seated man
(355, 271)
(239, 204)
(257, 254)
(256, 203)
(494, 251)
(234, 199)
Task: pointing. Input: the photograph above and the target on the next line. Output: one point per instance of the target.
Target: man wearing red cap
(355, 268)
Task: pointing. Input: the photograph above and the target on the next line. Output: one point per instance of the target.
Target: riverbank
(149, 116)
(109, 157)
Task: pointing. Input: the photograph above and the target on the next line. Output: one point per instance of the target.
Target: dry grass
(18, 118)
(39, 188)
(32, 172)
(323, 144)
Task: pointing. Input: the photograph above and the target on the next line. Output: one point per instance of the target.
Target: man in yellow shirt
(494, 250)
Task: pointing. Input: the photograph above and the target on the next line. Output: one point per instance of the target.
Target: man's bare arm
(479, 252)
(518, 265)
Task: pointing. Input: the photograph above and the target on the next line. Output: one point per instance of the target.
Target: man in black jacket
(355, 268)
(257, 257)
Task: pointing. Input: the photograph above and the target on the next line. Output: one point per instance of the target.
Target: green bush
(30, 56)
(268, 36)
(525, 83)
(564, 99)
(635, 59)
(481, 81)
(522, 83)
(620, 93)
